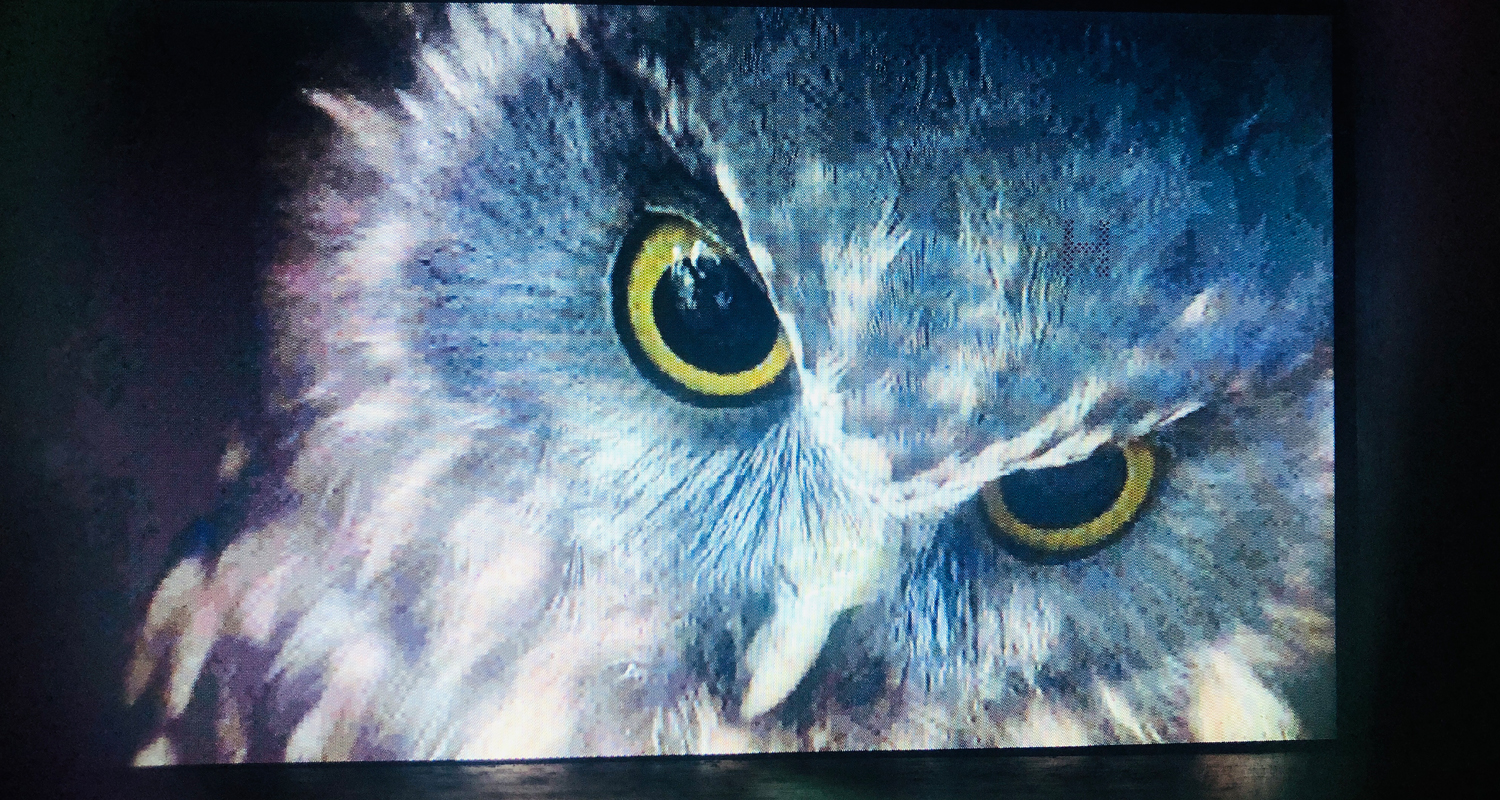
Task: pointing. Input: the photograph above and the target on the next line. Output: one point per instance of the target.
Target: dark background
(134, 148)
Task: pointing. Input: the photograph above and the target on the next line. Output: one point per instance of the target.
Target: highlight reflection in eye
(692, 318)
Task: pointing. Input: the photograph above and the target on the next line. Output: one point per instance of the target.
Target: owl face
(728, 381)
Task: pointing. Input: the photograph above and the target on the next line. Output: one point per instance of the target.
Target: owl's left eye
(693, 319)
(1066, 511)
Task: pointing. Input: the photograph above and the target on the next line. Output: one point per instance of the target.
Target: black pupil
(1067, 496)
(713, 317)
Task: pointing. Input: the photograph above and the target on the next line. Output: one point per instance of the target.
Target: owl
(662, 380)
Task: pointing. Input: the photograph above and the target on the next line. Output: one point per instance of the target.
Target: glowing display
(661, 380)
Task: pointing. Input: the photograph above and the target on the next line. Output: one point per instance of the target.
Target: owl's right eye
(693, 319)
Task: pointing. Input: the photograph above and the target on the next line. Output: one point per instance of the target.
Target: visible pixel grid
(657, 380)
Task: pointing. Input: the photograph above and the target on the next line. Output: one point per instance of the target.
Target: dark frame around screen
(1411, 206)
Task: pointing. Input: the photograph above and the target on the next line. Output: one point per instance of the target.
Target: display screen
(640, 381)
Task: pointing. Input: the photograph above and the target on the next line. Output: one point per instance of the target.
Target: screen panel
(648, 381)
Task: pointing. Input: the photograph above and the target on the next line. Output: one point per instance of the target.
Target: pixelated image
(694, 380)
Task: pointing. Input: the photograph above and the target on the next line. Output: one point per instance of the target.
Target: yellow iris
(663, 246)
(1140, 467)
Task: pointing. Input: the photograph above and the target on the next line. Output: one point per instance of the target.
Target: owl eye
(692, 318)
(1067, 511)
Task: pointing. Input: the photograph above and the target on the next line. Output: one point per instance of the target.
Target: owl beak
(842, 559)
(783, 651)
(823, 583)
